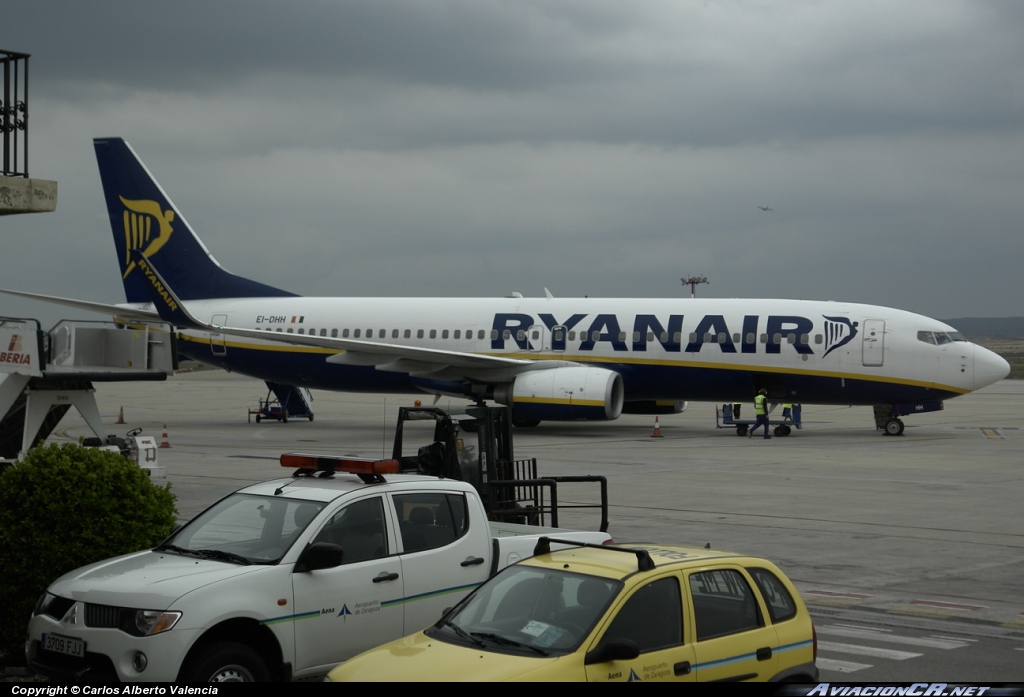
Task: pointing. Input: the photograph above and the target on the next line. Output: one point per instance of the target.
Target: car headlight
(149, 622)
(52, 605)
(44, 601)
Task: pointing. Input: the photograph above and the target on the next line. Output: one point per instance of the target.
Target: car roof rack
(643, 559)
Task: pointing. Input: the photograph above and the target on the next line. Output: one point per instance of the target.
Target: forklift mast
(449, 455)
(510, 489)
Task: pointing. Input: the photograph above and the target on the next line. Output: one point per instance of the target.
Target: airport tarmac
(926, 526)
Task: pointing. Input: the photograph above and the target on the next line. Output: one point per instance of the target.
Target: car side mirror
(320, 555)
(612, 650)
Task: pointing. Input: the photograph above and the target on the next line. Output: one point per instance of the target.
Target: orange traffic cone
(657, 429)
(164, 443)
(120, 416)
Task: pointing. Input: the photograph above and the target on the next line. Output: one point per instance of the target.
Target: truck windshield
(529, 611)
(244, 529)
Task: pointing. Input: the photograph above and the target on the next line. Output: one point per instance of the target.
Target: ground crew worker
(761, 412)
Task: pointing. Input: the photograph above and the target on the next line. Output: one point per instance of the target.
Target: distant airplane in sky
(765, 208)
(549, 358)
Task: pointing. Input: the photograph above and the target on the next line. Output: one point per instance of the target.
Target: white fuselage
(665, 349)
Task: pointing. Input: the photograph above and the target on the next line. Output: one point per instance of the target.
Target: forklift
(474, 445)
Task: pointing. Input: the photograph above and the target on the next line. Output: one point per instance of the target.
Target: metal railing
(528, 498)
(14, 113)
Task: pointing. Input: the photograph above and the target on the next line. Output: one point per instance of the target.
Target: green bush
(62, 507)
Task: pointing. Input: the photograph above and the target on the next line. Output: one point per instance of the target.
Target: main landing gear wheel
(894, 427)
(741, 430)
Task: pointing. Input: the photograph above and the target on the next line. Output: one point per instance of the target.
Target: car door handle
(764, 654)
(682, 668)
(473, 561)
(385, 576)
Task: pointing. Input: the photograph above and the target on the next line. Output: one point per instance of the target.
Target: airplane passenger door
(873, 342)
(558, 335)
(539, 337)
(218, 342)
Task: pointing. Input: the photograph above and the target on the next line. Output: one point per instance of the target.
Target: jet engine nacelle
(565, 394)
(652, 406)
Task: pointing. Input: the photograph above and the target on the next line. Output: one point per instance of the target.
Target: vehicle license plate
(63, 644)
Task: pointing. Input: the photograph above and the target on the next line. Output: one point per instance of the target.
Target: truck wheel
(226, 662)
(311, 417)
(258, 418)
(741, 430)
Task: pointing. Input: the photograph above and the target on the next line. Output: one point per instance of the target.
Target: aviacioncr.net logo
(147, 228)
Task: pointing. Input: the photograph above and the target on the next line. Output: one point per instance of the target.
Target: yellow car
(610, 613)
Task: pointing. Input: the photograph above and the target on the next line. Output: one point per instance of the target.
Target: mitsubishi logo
(72, 616)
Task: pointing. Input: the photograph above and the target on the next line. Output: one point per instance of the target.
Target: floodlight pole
(692, 281)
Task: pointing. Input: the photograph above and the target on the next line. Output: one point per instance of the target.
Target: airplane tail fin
(143, 218)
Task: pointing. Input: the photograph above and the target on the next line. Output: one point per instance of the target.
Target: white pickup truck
(281, 580)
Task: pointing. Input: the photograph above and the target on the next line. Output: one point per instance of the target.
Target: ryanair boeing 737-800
(549, 358)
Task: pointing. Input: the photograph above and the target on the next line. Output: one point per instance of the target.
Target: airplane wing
(435, 363)
(138, 312)
(397, 357)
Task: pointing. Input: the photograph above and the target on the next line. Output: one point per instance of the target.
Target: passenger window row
(521, 334)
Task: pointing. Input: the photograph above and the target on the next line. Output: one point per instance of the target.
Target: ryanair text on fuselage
(592, 330)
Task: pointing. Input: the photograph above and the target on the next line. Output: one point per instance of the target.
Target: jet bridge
(45, 373)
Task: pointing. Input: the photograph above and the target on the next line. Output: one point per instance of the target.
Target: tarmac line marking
(945, 644)
(872, 651)
(840, 666)
(947, 606)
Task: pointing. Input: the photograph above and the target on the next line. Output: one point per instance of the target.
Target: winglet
(168, 305)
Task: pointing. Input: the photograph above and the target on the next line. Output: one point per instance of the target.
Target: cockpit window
(940, 338)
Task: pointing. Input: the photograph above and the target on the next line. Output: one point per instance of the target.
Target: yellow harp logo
(139, 232)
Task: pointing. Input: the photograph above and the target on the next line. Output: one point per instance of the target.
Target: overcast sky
(480, 147)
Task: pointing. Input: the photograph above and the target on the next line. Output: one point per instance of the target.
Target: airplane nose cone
(989, 367)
